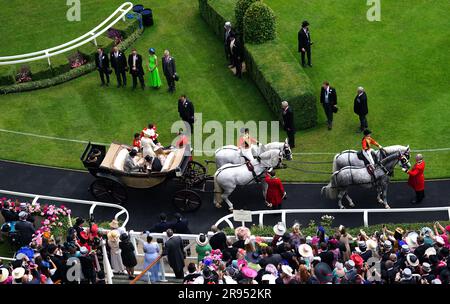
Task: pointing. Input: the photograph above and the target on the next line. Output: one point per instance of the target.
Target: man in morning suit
(102, 64)
(288, 123)
(328, 99)
(186, 111)
(136, 69)
(119, 64)
(304, 43)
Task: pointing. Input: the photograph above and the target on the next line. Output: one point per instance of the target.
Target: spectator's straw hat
(4, 274)
(114, 224)
(405, 248)
(399, 230)
(412, 260)
(361, 246)
(18, 273)
(430, 251)
(23, 214)
(286, 269)
(411, 239)
(407, 274)
(305, 250)
(387, 244)
(202, 240)
(426, 267)
(371, 244)
(269, 278)
(279, 229)
(323, 273)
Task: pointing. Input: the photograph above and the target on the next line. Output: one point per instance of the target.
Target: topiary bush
(240, 9)
(259, 24)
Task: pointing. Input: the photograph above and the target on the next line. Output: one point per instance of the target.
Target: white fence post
(261, 219)
(366, 218)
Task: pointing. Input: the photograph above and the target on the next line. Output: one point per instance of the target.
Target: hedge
(272, 67)
(60, 71)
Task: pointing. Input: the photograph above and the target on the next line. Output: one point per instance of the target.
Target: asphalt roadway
(144, 206)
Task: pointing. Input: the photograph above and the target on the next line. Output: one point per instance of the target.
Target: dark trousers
(291, 138)
(121, 77)
(141, 80)
(363, 122)
(419, 196)
(328, 108)
(104, 73)
(238, 64)
(179, 273)
(170, 82)
(228, 54)
(308, 54)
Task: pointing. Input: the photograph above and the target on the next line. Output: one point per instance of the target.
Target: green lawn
(401, 61)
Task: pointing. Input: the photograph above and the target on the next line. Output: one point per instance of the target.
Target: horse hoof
(231, 210)
(352, 205)
(218, 206)
(341, 207)
(387, 206)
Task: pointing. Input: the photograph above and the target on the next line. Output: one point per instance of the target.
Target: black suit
(328, 99)
(119, 65)
(304, 42)
(288, 125)
(186, 111)
(136, 70)
(174, 250)
(226, 40)
(218, 241)
(169, 70)
(161, 227)
(181, 227)
(102, 63)
(237, 56)
(360, 108)
(25, 230)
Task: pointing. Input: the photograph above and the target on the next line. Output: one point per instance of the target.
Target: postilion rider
(367, 143)
(245, 144)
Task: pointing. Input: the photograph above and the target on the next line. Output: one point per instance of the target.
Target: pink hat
(249, 273)
(447, 228)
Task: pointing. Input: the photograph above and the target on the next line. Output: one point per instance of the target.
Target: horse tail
(330, 191)
(217, 192)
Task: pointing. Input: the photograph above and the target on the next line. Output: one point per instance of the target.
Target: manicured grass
(402, 65)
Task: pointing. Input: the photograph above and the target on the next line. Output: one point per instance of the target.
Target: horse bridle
(287, 151)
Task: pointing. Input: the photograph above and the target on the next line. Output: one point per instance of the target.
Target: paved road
(144, 206)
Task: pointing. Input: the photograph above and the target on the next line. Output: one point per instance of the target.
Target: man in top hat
(288, 122)
(328, 99)
(136, 69)
(102, 64)
(119, 64)
(304, 43)
(361, 109)
(174, 250)
(416, 179)
(24, 229)
(228, 33)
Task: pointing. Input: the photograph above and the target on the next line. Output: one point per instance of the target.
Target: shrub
(259, 23)
(115, 35)
(7, 75)
(239, 11)
(24, 74)
(77, 59)
(279, 77)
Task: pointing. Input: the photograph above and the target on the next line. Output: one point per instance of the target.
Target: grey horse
(359, 176)
(350, 157)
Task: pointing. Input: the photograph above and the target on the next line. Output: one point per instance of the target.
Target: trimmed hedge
(272, 66)
(240, 9)
(66, 76)
(60, 71)
(259, 24)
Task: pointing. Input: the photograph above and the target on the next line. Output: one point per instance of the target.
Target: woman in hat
(202, 248)
(128, 255)
(154, 80)
(151, 253)
(115, 252)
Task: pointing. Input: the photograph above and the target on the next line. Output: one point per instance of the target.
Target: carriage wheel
(110, 191)
(187, 200)
(195, 174)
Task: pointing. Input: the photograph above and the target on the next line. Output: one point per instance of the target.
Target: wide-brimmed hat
(305, 250)
(323, 273)
(405, 248)
(286, 269)
(430, 251)
(248, 273)
(412, 260)
(18, 273)
(279, 229)
(387, 244)
(357, 259)
(371, 244)
(411, 239)
(407, 273)
(242, 233)
(361, 246)
(4, 274)
(272, 269)
(426, 231)
(426, 267)
(114, 224)
(270, 278)
(202, 240)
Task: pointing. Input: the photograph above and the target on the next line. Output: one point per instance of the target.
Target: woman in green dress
(154, 81)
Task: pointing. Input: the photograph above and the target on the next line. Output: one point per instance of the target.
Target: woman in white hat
(203, 248)
(17, 275)
(5, 278)
(116, 258)
(306, 253)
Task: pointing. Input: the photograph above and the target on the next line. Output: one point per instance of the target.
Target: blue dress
(151, 251)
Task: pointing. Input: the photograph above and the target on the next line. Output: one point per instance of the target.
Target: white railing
(75, 43)
(93, 204)
(365, 213)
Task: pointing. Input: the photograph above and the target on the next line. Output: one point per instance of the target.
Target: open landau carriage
(112, 181)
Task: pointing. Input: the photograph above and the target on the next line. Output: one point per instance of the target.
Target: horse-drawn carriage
(112, 182)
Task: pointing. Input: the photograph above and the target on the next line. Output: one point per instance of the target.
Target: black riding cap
(367, 132)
